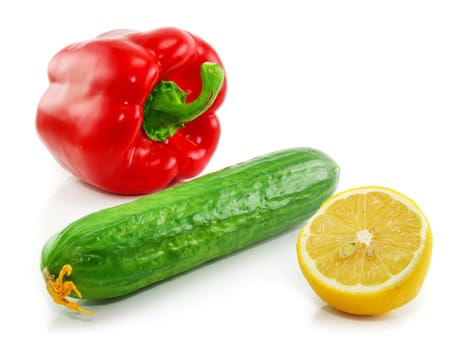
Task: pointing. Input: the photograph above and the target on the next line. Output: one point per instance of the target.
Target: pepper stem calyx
(166, 110)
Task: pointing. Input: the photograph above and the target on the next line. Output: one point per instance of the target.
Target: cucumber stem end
(59, 289)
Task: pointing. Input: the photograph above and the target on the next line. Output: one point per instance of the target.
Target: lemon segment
(366, 251)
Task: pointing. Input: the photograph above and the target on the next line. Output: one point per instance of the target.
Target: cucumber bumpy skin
(118, 250)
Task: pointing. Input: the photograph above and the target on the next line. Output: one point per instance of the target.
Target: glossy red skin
(90, 117)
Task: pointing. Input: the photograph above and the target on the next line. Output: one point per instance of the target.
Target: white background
(368, 82)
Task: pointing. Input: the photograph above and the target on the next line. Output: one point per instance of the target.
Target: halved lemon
(366, 251)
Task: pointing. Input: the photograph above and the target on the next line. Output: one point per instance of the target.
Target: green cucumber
(118, 250)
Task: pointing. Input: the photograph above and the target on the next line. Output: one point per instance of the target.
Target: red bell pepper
(131, 112)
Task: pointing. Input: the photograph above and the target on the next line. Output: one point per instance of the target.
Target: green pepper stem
(166, 111)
